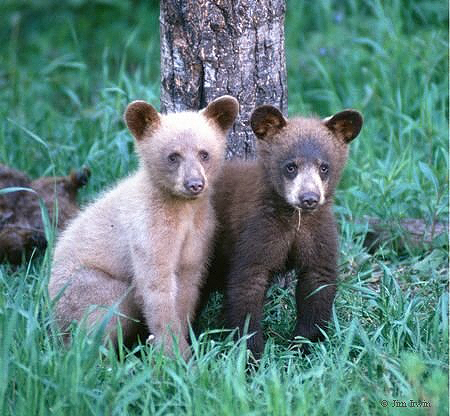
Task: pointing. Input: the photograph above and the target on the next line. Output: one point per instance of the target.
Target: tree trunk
(215, 47)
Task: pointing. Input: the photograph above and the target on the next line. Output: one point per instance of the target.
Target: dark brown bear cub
(276, 215)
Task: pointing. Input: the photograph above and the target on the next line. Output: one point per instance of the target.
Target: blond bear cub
(143, 246)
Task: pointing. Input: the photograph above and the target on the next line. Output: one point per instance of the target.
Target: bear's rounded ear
(81, 177)
(345, 124)
(141, 118)
(222, 111)
(266, 120)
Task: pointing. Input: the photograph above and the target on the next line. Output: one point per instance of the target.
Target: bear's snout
(308, 200)
(194, 186)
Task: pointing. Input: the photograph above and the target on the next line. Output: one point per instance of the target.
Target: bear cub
(275, 215)
(143, 246)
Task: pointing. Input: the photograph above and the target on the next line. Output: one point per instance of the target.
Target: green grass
(67, 71)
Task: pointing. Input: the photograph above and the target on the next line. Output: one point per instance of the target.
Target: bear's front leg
(194, 255)
(315, 292)
(244, 300)
(156, 290)
(316, 261)
(189, 280)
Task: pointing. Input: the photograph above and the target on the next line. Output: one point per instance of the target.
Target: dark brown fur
(21, 227)
(259, 232)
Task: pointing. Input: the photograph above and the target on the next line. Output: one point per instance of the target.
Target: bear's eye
(173, 157)
(324, 168)
(291, 168)
(204, 155)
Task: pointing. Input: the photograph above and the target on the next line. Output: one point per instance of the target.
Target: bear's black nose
(308, 200)
(194, 186)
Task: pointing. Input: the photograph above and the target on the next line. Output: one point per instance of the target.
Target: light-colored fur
(307, 180)
(144, 244)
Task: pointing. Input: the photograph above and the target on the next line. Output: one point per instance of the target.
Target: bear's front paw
(311, 332)
(256, 344)
(167, 344)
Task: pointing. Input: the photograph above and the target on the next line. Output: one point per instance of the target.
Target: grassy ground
(67, 70)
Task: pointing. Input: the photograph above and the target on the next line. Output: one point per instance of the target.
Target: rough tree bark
(215, 47)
